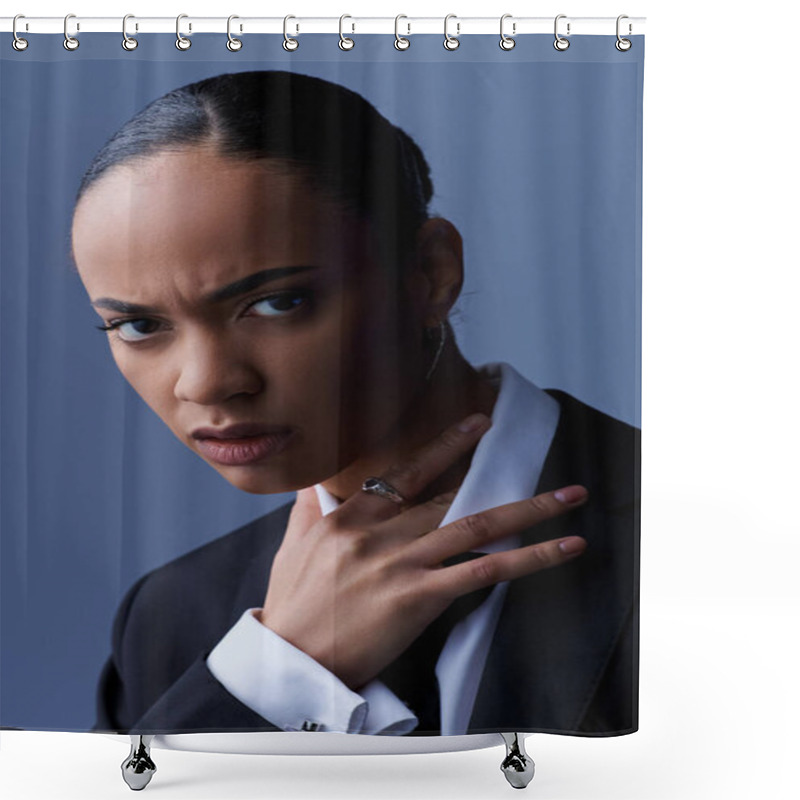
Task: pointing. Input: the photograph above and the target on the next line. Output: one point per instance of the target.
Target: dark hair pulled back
(329, 135)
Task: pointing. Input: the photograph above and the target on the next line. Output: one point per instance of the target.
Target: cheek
(126, 366)
(358, 372)
(144, 378)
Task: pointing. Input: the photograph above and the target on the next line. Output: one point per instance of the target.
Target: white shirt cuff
(386, 712)
(293, 691)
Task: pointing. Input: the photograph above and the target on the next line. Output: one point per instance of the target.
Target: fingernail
(571, 494)
(473, 423)
(572, 545)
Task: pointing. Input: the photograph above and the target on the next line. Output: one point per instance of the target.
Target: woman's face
(317, 344)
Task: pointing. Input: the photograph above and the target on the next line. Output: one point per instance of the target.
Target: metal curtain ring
(623, 44)
(506, 42)
(18, 43)
(182, 43)
(451, 42)
(560, 43)
(344, 42)
(70, 42)
(378, 486)
(128, 42)
(400, 42)
(289, 43)
(233, 44)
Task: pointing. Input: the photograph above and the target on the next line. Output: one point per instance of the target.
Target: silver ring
(70, 42)
(400, 42)
(623, 44)
(560, 43)
(451, 42)
(233, 44)
(506, 42)
(182, 43)
(344, 42)
(18, 43)
(380, 487)
(289, 43)
(128, 42)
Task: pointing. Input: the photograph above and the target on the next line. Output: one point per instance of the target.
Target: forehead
(208, 218)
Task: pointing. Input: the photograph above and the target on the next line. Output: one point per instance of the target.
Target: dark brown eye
(118, 325)
(280, 304)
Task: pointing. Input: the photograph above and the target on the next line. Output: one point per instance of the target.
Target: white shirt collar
(508, 460)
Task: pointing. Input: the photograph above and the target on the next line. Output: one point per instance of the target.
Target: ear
(439, 269)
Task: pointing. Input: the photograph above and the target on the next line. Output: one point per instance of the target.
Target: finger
(475, 530)
(418, 520)
(505, 566)
(410, 476)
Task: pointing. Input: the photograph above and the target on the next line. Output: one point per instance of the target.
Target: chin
(266, 479)
(251, 480)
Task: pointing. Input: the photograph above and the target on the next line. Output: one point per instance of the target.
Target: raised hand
(354, 588)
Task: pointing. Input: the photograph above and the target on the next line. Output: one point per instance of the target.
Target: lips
(242, 450)
(238, 431)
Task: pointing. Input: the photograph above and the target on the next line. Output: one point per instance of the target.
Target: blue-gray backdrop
(536, 158)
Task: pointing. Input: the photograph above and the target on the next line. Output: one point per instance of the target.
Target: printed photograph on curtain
(248, 302)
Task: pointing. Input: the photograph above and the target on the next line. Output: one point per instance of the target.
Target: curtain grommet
(451, 42)
(345, 43)
(561, 43)
(507, 42)
(290, 44)
(128, 42)
(401, 42)
(622, 44)
(233, 44)
(18, 43)
(182, 43)
(70, 42)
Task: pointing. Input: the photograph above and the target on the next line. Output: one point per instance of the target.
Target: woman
(259, 249)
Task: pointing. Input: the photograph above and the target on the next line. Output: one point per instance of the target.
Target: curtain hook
(70, 42)
(344, 42)
(561, 43)
(289, 43)
(182, 43)
(507, 42)
(18, 42)
(400, 42)
(451, 42)
(233, 44)
(623, 44)
(128, 42)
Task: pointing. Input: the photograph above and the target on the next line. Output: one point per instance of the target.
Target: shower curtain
(347, 251)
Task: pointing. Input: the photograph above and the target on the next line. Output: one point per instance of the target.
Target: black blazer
(564, 657)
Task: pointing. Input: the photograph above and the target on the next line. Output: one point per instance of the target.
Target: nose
(212, 369)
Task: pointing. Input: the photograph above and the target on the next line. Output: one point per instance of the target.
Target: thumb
(306, 511)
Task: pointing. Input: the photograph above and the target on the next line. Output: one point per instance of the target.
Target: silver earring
(442, 336)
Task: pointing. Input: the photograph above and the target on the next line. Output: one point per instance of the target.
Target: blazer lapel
(267, 537)
(559, 626)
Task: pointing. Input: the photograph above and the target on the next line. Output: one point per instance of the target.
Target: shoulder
(176, 613)
(595, 449)
(580, 419)
(218, 576)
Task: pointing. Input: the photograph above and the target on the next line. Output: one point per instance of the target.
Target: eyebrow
(242, 286)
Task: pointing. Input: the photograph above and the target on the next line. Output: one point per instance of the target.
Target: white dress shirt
(294, 692)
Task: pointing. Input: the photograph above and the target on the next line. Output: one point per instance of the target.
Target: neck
(455, 390)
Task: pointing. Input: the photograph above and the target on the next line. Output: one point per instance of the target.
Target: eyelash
(114, 324)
